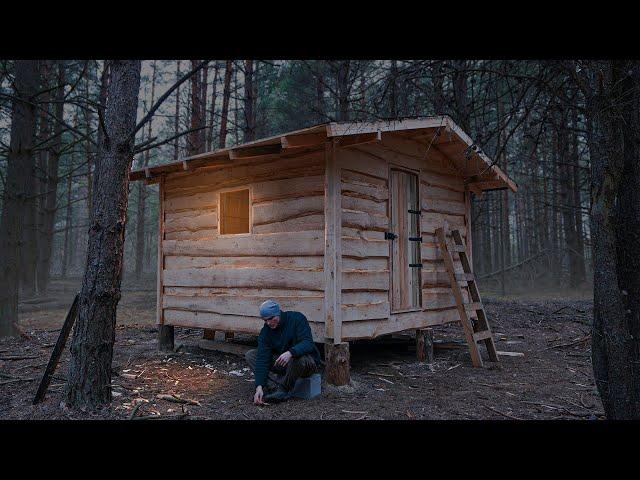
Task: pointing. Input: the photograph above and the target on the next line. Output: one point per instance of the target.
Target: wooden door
(406, 278)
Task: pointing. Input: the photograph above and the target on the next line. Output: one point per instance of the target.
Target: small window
(234, 212)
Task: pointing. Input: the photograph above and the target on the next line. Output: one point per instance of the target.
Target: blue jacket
(293, 334)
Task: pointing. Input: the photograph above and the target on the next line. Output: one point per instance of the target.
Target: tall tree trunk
(343, 90)
(615, 222)
(249, 133)
(578, 246)
(320, 110)
(195, 142)
(68, 224)
(142, 191)
(226, 93)
(19, 168)
(33, 208)
(437, 79)
(212, 116)
(176, 118)
(393, 93)
(51, 186)
(104, 84)
(89, 378)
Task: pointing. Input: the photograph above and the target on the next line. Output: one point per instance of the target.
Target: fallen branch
(16, 357)
(135, 410)
(570, 344)
(161, 417)
(177, 399)
(501, 413)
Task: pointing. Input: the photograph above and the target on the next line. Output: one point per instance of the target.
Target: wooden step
(465, 277)
(484, 335)
(473, 306)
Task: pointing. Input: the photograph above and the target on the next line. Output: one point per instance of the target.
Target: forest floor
(552, 380)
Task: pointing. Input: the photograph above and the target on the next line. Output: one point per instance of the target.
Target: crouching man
(285, 353)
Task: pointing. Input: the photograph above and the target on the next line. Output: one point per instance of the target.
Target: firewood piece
(57, 350)
(337, 363)
(165, 338)
(424, 345)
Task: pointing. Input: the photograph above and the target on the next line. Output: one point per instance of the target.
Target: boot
(280, 395)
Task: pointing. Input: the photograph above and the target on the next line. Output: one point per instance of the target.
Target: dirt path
(552, 380)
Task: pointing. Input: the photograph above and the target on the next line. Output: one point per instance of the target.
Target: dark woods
(565, 131)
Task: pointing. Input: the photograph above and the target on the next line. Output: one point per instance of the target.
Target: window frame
(230, 190)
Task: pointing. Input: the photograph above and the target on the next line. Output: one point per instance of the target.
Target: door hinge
(415, 239)
(415, 212)
(390, 236)
(415, 265)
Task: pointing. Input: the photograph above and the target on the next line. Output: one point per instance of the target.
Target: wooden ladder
(474, 331)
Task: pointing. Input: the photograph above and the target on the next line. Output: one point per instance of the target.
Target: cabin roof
(440, 133)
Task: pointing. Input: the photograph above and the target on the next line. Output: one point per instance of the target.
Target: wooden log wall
(218, 281)
(366, 254)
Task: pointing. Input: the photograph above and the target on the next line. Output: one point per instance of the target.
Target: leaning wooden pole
(57, 350)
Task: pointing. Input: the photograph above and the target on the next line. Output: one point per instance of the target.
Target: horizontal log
(311, 307)
(207, 233)
(361, 248)
(365, 279)
(449, 182)
(232, 323)
(352, 176)
(443, 206)
(349, 263)
(364, 221)
(241, 292)
(287, 188)
(196, 201)
(438, 193)
(360, 161)
(192, 221)
(360, 233)
(275, 244)
(365, 311)
(179, 262)
(298, 224)
(245, 277)
(366, 191)
(281, 210)
(249, 172)
(359, 297)
(367, 329)
(364, 205)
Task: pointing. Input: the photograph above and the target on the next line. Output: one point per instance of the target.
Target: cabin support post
(165, 338)
(209, 334)
(336, 351)
(165, 332)
(424, 345)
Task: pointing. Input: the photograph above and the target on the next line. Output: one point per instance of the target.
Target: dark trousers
(298, 367)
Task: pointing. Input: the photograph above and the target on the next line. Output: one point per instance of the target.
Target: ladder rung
(473, 306)
(459, 248)
(484, 335)
(465, 277)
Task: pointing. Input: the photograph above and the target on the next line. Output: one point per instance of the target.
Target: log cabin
(337, 221)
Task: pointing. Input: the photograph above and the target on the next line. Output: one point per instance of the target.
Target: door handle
(390, 236)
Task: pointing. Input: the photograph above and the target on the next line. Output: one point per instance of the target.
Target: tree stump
(228, 336)
(337, 363)
(209, 334)
(165, 338)
(424, 345)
